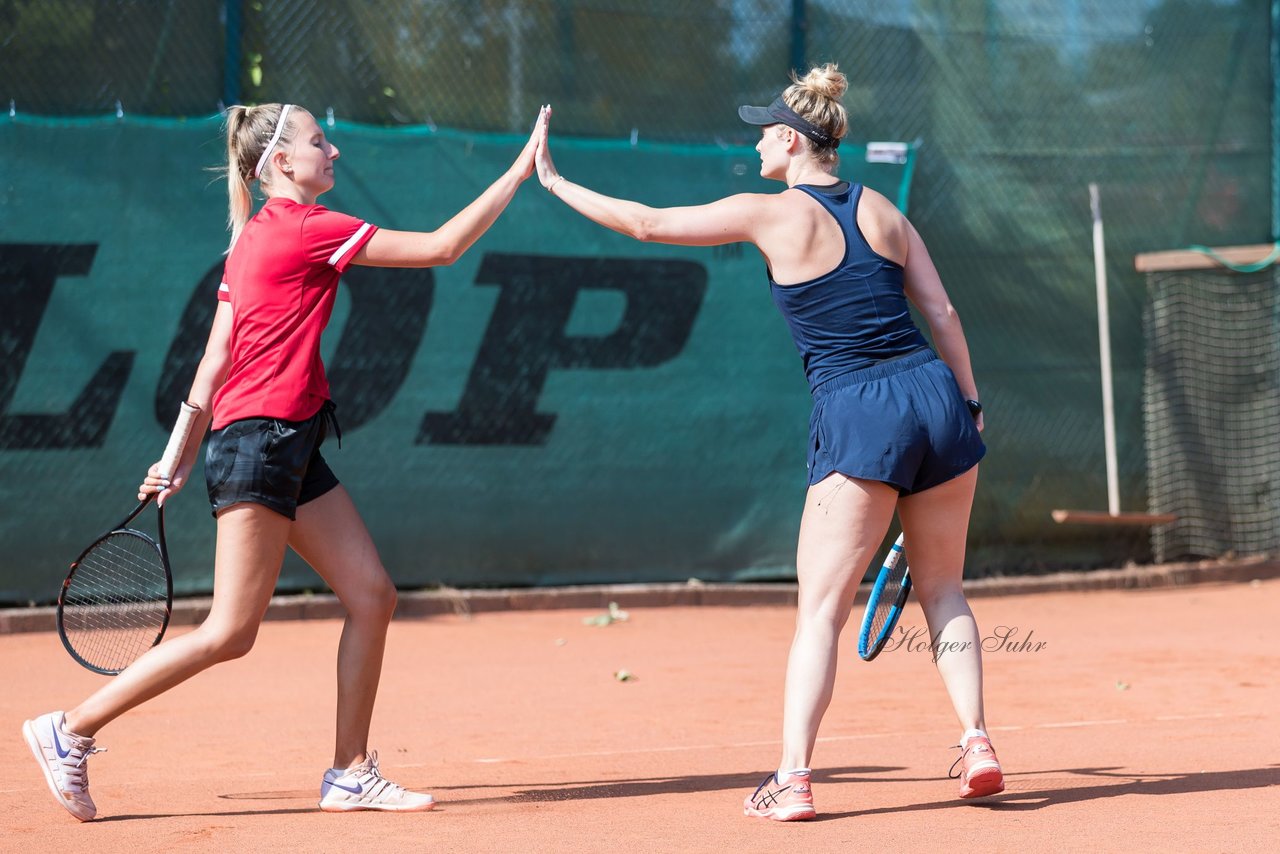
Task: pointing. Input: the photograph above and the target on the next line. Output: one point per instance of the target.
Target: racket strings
(117, 601)
(887, 605)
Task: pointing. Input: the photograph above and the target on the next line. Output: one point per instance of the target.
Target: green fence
(1018, 106)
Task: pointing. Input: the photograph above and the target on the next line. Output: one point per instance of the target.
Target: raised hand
(547, 173)
(523, 166)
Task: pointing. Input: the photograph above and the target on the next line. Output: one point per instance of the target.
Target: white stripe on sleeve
(346, 247)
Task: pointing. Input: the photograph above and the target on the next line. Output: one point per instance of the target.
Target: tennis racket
(116, 600)
(888, 596)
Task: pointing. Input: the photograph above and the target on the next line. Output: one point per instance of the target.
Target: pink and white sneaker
(789, 799)
(63, 756)
(364, 788)
(980, 774)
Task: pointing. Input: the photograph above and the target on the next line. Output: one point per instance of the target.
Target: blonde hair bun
(816, 98)
(826, 81)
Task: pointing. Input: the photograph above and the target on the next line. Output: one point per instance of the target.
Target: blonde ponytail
(239, 199)
(249, 130)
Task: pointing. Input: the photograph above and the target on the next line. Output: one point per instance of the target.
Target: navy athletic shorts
(902, 421)
(270, 461)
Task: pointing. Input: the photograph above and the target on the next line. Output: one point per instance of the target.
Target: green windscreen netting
(563, 404)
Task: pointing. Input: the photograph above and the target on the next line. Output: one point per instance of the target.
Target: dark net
(1212, 411)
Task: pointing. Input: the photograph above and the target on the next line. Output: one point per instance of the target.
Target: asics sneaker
(789, 799)
(364, 788)
(63, 756)
(979, 773)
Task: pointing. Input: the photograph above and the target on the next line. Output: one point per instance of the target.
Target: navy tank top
(856, 315)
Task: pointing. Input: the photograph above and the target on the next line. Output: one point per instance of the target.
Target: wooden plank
(1186, 259)
(1101, 517)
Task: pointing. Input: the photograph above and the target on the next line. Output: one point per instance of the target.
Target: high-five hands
(547, 173)
(523, 167)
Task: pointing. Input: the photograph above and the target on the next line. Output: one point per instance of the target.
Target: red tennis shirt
(281, 280)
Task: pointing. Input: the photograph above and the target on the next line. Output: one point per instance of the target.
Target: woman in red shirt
(262, 386)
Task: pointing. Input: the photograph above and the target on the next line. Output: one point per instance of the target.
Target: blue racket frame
(869, 647)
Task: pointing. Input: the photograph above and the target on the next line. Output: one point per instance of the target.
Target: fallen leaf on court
(1122, 686)
(625, 676)
(613, 615)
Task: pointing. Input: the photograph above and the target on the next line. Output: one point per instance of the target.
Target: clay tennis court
(1146, 720)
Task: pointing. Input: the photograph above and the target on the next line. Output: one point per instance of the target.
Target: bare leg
(844, 521)
(936, 524)
(251, 543)
(331, 536)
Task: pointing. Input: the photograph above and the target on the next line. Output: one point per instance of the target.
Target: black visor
(779, 113)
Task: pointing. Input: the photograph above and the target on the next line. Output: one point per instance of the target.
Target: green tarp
(561, 405)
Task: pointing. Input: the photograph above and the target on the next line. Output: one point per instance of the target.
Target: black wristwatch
(975, 408)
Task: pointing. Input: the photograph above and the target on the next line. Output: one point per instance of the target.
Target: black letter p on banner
(526, 338)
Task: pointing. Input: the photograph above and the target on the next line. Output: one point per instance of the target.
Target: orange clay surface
(1147, 721)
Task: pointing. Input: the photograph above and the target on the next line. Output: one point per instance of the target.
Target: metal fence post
(231, 54)
(1275, 120)
(799, 34)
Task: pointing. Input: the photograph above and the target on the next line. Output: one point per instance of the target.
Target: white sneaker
(63, 756)
(363, 788)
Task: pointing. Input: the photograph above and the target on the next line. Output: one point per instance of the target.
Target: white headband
(275, 137)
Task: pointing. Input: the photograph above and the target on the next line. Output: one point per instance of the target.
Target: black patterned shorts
(270, 461)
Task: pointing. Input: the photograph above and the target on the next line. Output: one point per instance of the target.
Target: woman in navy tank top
(894, 426)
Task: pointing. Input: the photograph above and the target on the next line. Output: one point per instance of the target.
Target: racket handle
(895, 552)
(178, 439)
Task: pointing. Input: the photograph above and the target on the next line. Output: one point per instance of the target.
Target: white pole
(515, 57)
(1104, 352)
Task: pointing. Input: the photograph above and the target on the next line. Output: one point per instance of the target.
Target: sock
(781, 776)
(972, 733)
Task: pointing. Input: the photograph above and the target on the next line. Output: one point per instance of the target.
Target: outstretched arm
(730, 220)
(447, 243)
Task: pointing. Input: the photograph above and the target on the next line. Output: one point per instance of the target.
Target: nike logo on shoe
(358, 790)
(57, 745)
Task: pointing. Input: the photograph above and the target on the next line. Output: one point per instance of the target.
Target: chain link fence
(662, 69)
(1018, 105)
